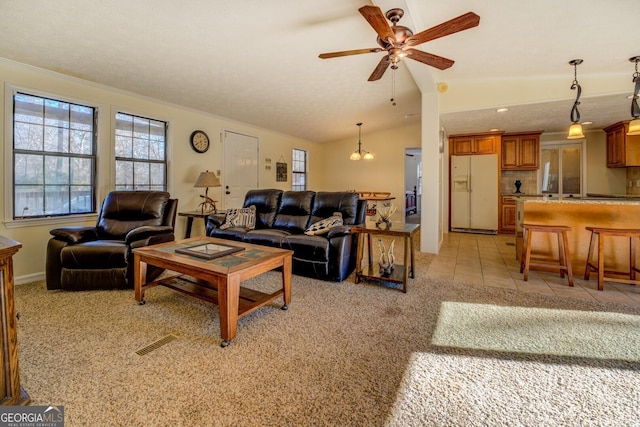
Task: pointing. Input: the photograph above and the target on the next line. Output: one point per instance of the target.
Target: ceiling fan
(398, 41)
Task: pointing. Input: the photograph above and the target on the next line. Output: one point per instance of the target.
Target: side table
(190, 216)
(401, 272)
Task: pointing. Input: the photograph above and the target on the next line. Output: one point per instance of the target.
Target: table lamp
(207, 179)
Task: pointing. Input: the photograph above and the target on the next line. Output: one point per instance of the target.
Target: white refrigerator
(474, 193)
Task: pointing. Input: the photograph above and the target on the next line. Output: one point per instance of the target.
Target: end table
(190, 216)
(401, 273)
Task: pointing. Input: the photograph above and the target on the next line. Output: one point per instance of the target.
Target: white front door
(240, 173)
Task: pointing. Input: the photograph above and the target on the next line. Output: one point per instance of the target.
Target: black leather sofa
(283, 216)
(100, 257)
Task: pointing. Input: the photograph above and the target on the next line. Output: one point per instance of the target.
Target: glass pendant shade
(360, 153)
(355, 156)
(634, 127)
(368, 156)
(575, 131)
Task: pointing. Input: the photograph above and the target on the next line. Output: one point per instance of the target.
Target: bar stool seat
(597, 239)
(561, 265)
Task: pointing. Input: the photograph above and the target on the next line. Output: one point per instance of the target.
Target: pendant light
(575, 131)
(360, 153)
(634, 125)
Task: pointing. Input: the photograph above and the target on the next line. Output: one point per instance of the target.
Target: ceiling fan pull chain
(393, 87)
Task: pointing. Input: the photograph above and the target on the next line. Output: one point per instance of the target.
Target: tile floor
(491, 260)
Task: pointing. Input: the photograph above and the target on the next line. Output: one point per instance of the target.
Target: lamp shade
(355, 156)
(368, 156)
(634, 127)
(207, 179)
(575, 131)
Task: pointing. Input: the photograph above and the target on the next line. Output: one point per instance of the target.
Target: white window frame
(9, 222)
(306, 168)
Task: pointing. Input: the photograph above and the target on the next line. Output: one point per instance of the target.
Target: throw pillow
(243, 217)
(324, 225)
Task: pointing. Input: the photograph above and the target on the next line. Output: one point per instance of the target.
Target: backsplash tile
(633, 180)
(529, 181)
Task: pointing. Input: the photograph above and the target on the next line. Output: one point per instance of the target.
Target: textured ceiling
(257, 61)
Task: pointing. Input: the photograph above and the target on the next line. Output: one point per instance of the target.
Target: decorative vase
(518, 183)
(387, 259)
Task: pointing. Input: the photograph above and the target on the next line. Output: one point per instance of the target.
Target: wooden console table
(11, 392)
(401, 272)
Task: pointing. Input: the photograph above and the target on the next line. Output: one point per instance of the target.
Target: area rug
(443, 354)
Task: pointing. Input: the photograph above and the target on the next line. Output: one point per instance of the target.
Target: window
(299, 170)
(54, 158)
(561, 172)
(141, 161)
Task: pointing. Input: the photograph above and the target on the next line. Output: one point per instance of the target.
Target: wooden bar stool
(597, 239)
(561, 265)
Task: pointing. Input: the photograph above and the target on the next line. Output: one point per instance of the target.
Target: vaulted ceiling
(257, 61)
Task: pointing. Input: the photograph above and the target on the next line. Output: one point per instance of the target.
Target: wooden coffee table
(216, 280)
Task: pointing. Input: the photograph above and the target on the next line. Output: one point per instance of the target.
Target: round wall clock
(199, 141)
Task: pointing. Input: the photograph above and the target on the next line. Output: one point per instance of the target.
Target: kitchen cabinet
(520, 151)
(507, 214)
(622, 150)
(482, 143)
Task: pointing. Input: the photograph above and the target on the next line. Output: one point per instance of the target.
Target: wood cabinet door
(615, 147)
(461, 146)
(529, 153)
(509, 153)
(508, 218)
(484, 145)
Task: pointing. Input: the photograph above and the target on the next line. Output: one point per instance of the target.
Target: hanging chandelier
(360, 153)
(575, 131)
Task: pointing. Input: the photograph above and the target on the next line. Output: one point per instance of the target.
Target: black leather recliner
(100, 257)
(283, 216)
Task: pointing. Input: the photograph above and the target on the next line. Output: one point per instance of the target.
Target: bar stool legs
(561, 265)
(597, 238)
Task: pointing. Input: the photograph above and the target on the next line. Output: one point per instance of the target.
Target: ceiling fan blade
(349, 52)
(377, 20)
(462, 22)
(380, 69)
(430, 59)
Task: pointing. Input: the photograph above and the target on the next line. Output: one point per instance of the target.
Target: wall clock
(199, 141)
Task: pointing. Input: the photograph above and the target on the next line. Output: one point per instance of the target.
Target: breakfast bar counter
(578, 214)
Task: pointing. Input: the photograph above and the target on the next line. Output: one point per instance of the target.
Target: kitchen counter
(578, 214)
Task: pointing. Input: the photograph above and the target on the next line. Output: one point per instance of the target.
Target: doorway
(240, 153)
(412, 184)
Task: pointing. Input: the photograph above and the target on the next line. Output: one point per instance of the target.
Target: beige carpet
(444, 354)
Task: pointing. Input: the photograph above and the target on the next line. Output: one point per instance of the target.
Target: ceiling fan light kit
(575, 131)
(634, 125)
(398, 41)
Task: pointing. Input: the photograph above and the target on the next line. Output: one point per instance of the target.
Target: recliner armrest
(215, 221)
(75, 234)
(147, 231)
(340, 230)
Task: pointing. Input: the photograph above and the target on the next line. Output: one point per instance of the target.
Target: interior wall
(184, 164)
(386, 172)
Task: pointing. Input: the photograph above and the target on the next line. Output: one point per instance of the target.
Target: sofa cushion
(266, 202)
(328, 202)
(98, 254)
(122, 211)
(243, 217)
(324, 225)
(232, 233)
(312, 248)
(294, 212)
(267, 237)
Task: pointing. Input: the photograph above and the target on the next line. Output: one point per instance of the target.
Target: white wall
(184, 164)
(386, 172)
